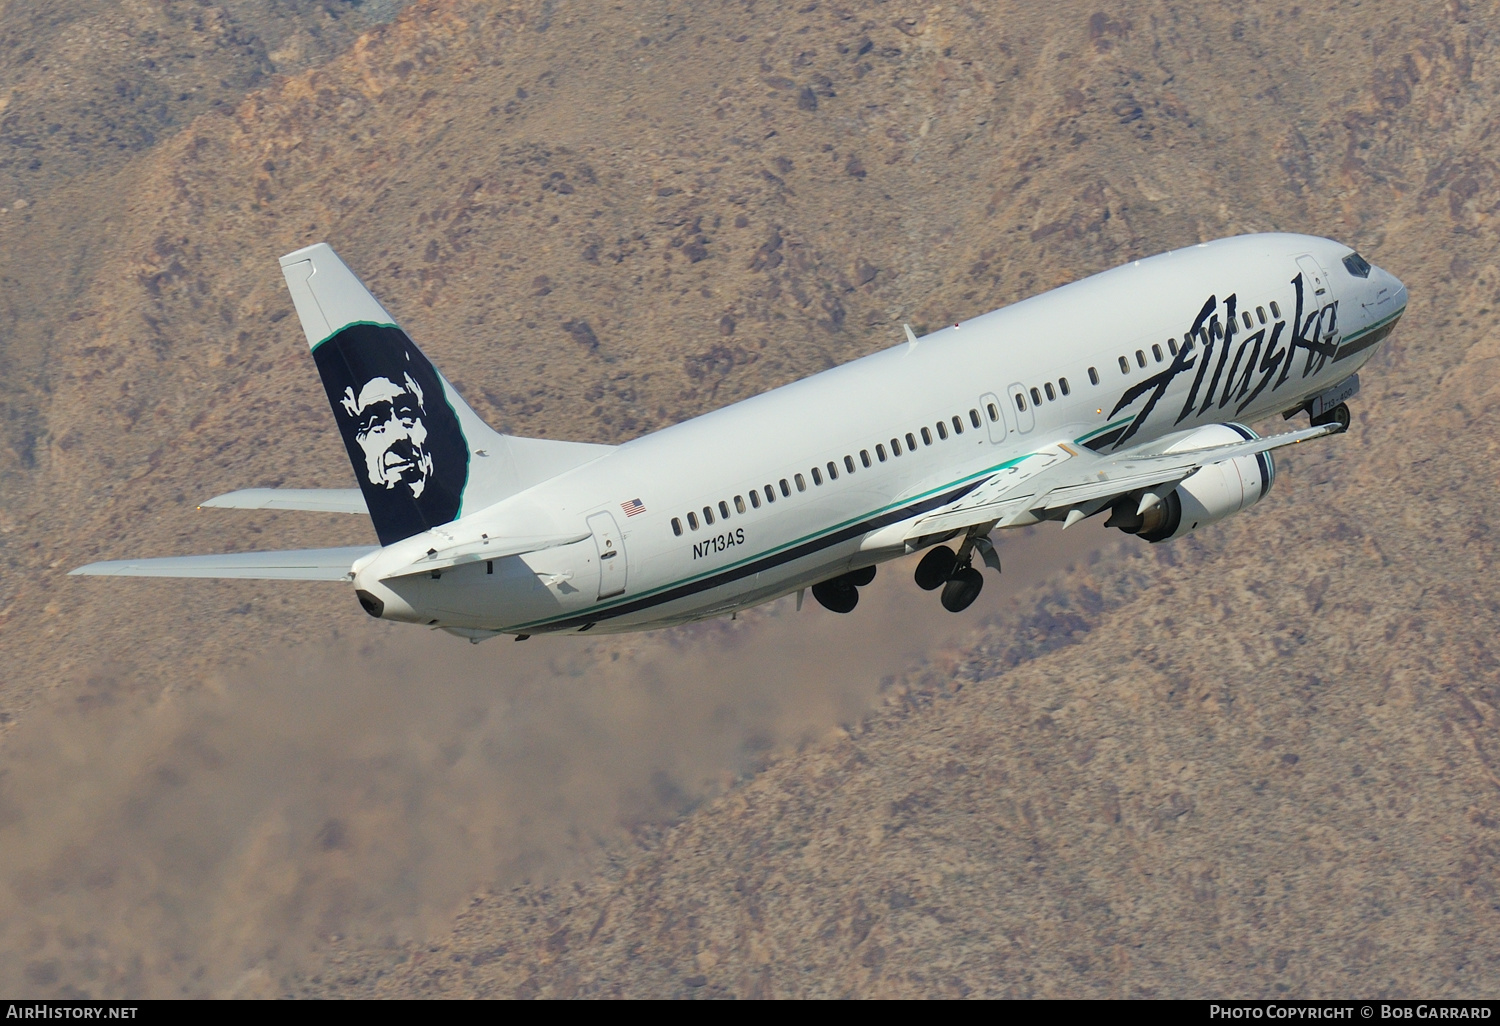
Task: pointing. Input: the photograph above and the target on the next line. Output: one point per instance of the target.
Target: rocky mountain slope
(1257, 760)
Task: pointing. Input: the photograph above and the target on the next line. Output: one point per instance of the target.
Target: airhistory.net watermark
(47, 1010)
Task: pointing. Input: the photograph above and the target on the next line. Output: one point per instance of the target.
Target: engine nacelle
(1208, 496)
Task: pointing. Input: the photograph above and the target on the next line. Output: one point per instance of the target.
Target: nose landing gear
(1338, 415)
(954, 572)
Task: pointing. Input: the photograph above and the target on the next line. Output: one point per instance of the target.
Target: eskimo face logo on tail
(388, 426)
(402, 436)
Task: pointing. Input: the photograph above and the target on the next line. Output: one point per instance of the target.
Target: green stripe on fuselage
(1108, 427)
(780, 548)
(1362, 332)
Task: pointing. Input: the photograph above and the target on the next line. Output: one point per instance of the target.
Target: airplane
(1124, 394)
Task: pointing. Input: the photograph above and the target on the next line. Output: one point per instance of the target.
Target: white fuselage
(993, 368)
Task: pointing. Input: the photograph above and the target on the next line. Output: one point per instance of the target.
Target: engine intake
(1216, 491)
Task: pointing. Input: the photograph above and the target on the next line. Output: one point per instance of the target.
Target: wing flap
(292, 565)
(311, 500)
(1061, 477)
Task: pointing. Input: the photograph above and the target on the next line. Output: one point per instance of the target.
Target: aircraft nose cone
(1389, 289)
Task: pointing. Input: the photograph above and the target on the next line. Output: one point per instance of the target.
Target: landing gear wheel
(935, 569)
(861, 577)
(837, 595)
(961, 591)
(1338, 415)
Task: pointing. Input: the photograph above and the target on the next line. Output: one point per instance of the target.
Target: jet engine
(1209, 495)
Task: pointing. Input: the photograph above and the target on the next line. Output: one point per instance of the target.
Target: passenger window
(849, 463)
(974, 417)
(864, 457)
(1093, 376)
(739, 504)
(677, 527)
(1247, 320)
(708, 514)
(771, 492)
(993, 411)
(880, 452)
(942, 431)
(724, 509)
(895, 447)
(1062, 383)
(1036, 397)
(958, 424)
(1140, 357)
(911, 442)
(833, 471)
(926, 437)
(1275, 310)
(1020, 402)
(785, 491)
(693, 521)
(1156, 352)
(1172, 346)
(817, 476)
(1124, 365)
(754, 499)
(801, 484)
(1051, 394)
(1260, 312)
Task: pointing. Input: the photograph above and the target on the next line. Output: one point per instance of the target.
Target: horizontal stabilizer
(310, 500)
(294, 565)
(474, 552)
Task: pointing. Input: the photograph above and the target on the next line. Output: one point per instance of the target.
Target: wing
(1066, 477)
(312, 500)
(295, 565)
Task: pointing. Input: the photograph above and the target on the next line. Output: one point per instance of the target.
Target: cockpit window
(1357, 265)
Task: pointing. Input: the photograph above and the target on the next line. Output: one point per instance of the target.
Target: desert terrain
(1260, 760)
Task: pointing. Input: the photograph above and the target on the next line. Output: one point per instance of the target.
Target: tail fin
(421, 455)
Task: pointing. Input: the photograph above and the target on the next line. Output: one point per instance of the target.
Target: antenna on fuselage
(910, 335)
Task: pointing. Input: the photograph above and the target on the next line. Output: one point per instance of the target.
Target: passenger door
(611, 554)
(1318, 295)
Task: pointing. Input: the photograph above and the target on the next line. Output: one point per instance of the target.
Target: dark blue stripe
(756, 566)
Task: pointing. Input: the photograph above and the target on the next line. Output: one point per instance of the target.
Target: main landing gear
(954, 572)
(841, 594)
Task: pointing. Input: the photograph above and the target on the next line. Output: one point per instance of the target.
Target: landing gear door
(994, 416)
(611, 554)
(1021, 407)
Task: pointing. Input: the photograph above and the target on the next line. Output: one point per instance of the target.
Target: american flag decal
(633, 507)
